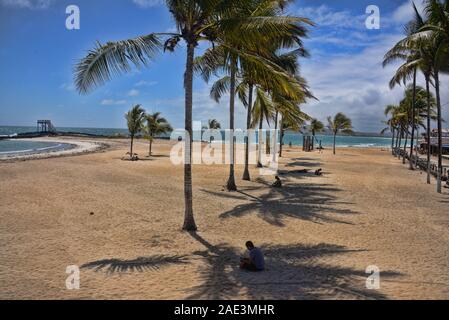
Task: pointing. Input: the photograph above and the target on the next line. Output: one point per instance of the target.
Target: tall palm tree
(263, 109)
(134, 120)
(155, 125)
(392, 123)
(316, 126)
(231, 61)
(411, 55)
(340, 123)
(210, 21)
(438, 25)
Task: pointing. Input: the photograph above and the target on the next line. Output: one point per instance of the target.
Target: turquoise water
(341, 141)
(22, 147)
(294, 138)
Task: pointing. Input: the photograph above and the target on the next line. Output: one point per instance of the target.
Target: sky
(38, 54)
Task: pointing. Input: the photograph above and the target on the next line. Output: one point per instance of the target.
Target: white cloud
(355, 84)
(324, 16)
(27, 4)
(404, 13)
(204, 108)
(111, 102)
(67, 86)
(147, 3)
(144, 83)
(133, 93)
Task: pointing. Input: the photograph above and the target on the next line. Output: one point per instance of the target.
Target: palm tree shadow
(311, 202)
(292, 272)
(139, 264)
(302, 163)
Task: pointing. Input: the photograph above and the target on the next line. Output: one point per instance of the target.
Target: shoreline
(79, 147)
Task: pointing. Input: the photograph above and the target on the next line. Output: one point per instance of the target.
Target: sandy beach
(120, 222)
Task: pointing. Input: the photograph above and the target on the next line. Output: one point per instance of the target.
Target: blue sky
(38, 53)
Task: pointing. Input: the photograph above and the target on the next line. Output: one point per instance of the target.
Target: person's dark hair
(249, 244)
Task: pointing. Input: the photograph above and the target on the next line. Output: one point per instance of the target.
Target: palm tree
(438, 25)
(289, 123)
(134, 120)
(412, 60)
(392, 123)
(340, 123)
(234, 56)
(210, 21)
(156, 125)
(316, 126)
(213, 124)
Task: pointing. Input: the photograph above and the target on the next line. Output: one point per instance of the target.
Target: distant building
(434, 141)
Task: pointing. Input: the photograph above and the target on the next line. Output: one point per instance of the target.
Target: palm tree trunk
(405, 145)
(401, 134)
(440, 144)
(313, 136)
(413, 120)
(428, 128)
(189, 221)
(392, 139)
(281, 143)
(246, 175)
(397, 138)
(151, 146)
(335, 138)
(131, 147)
(275, 135)
(231, 180)
(259, 162)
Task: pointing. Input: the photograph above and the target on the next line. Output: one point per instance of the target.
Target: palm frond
(114, 58)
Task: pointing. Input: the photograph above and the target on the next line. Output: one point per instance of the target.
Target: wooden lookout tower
(45, 126)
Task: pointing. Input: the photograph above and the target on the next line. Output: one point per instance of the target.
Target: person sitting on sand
(256, 261)
(277, 183)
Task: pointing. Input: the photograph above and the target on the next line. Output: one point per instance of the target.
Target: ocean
(289, 137)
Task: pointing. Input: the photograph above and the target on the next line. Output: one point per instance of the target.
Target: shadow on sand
(139, 264)
(312, 202)
(292, 272)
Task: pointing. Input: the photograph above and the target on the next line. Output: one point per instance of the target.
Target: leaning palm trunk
(405, 145)
(259, 160)
(440, 144)
(413, 120)
(428, 128)
(189, 221)
(231, 180)
(246, 175)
